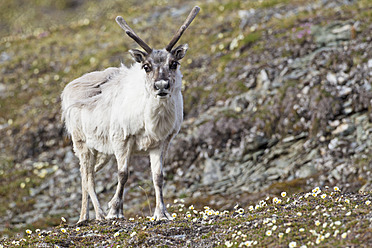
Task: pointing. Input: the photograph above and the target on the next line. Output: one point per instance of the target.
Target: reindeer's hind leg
(87, 159)
(101, 160)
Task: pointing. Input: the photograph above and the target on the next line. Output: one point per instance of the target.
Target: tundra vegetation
(277, 98)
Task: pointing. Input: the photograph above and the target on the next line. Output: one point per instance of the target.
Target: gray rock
(332, 33)
(212, 171)
(344, 129)
(4, 56)
(306, 170)
(331, 78)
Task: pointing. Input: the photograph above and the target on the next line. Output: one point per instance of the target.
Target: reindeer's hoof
(163, 215)
(114, 216)
(100, 216)
(82, 222)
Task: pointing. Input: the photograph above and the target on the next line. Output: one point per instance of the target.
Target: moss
(251, 38)
(271, 3)
(291, 187)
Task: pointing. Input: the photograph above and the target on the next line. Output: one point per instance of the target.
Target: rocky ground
(278, 97)
(320, 218)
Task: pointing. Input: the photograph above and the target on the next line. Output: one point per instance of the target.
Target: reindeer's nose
(161, 85)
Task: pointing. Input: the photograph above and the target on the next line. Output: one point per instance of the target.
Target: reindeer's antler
(182, 29)
(124, 25)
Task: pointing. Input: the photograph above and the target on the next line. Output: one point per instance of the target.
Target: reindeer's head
(161, 66)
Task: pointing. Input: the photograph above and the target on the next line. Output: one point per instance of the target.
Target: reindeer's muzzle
(162, 88)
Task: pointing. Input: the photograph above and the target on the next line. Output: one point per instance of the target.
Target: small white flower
(268, 233)
(323, 196)
(347, 200)
(317, 223)
(63, 219)
(133, 234)
(116, 234)
(335, 188)
(348, 213)
(337, 223)
(302, 229)
(28, 231)
(287, 230)
(344, 235)
(316, 190)
(317, 241)
(63, 230)
(292, 244)
(240, 211)
(283, 194)
(77, 229)
(191, 207)
(228, 243)
(299, 214)
(174, 215)
(368, 202)
(251, 208)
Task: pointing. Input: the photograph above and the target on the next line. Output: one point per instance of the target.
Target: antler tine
(182, 29)
(124, 25)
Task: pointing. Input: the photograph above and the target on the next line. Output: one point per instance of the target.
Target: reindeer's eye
(173, 65)
(146, 67)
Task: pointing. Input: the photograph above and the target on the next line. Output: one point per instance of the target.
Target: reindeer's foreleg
(123, 151)
(156, 159)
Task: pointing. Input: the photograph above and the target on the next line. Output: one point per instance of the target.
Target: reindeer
(124, 111)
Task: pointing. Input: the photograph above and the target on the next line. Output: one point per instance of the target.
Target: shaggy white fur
(118, 111)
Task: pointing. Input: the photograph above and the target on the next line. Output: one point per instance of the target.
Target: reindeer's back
(83, 93)
(86, 87)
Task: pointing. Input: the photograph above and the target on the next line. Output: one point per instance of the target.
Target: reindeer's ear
(180, 51)
(138, 55)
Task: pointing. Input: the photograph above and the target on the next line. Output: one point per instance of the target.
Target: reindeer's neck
(160, 117)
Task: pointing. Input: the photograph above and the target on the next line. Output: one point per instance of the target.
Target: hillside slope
(278, 97)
